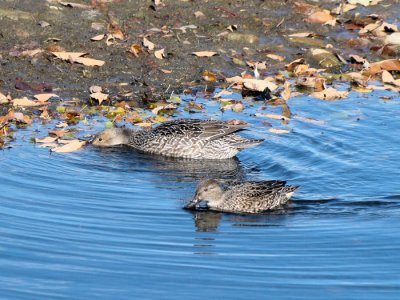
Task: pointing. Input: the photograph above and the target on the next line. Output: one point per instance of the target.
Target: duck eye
(206, 190)
(100, 139)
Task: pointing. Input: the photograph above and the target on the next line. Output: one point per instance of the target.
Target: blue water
(108, 224)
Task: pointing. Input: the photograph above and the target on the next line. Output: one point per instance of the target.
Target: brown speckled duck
(247, 197)
(186, 138)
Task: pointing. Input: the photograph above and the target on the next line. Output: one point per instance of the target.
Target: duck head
(208, 191)
(112, 137)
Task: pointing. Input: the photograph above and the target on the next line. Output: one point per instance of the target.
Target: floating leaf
(388, 65)
(48, 139)
(70, 146)
(204, 53)
(259, 85)
(329, 94)
(273, 116)
(278, 131)
(322, 17)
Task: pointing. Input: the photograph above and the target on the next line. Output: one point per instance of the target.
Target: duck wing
(255, 189)
(196, 128)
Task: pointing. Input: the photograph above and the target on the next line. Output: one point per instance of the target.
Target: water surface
(102, 224)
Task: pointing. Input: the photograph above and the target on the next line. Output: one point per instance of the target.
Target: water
(108, 224)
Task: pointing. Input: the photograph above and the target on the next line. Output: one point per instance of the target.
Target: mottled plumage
(247, 197)
(186, 138)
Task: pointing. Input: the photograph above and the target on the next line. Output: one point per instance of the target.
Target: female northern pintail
(247, 197)
(186, 138)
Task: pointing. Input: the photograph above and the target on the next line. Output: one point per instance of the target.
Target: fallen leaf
(238, 107)
(26, 102)
(321, 17)
(300, 70)
(98, 37)
(57, 133)
(68, 55)
(48, 145)
(61, 125)
(275, 57)
(166, 71)
(286, 93)
(117, 34)
(135, 49)
(235, 79)
(76, 5)
(89, 61)
(95, 89)
(388, 78)
(31, 53)
(163, 107)
(259, 85)
(273, 116)
(278, 131)
(222, 93)
(343, 7)
(3, 99)
(209, 76)
(204, 53)
(149, 45)
(364, 2)
(45, 97)
(393, 39)
(45, 115)
(377, 67)
(199, 14)
(329, 94)
(99, 96)
(290, 67)
(71, 146)
(159, 54)
(48, 139)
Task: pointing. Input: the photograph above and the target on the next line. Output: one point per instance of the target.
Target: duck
(183, 138)
(246, 197)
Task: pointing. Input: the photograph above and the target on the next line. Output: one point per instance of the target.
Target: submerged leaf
(70, 146)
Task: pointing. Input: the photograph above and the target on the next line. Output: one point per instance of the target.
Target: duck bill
(192, 204)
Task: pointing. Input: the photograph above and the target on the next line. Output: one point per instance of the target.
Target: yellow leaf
(71, 146)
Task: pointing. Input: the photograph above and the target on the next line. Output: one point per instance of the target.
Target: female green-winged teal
(186, 138)
(247, 197)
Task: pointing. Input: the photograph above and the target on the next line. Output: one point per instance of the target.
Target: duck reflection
(178, 169)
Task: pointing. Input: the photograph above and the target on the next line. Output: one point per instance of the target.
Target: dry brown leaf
(135, 49)
(273, 116)
(44, 97)
(26, 102)
(159, 54)
(166, 71)
(95, 89)
(300, 70)
(71, 146)
(99, 96)
(89, 61)
(329, 94)
(3, 99)
(163, 107)
(286, 93)
(393, 39)
(343, 7)
(388, 78)
(149, 45)
(302, 34)
(199, 14)
(290, 67)
(321, 17)
(57, 133)
(68, 55)
(388, 65)
(31, 53)
(61, 125)
(204, 53)
(98, 37)
(278, 131)
(48, 139)
(259, 85)
(234, 79)
(222, 93)
(117, 34)
(275, 57)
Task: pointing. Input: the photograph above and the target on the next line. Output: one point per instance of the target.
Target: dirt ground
(255, 29)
